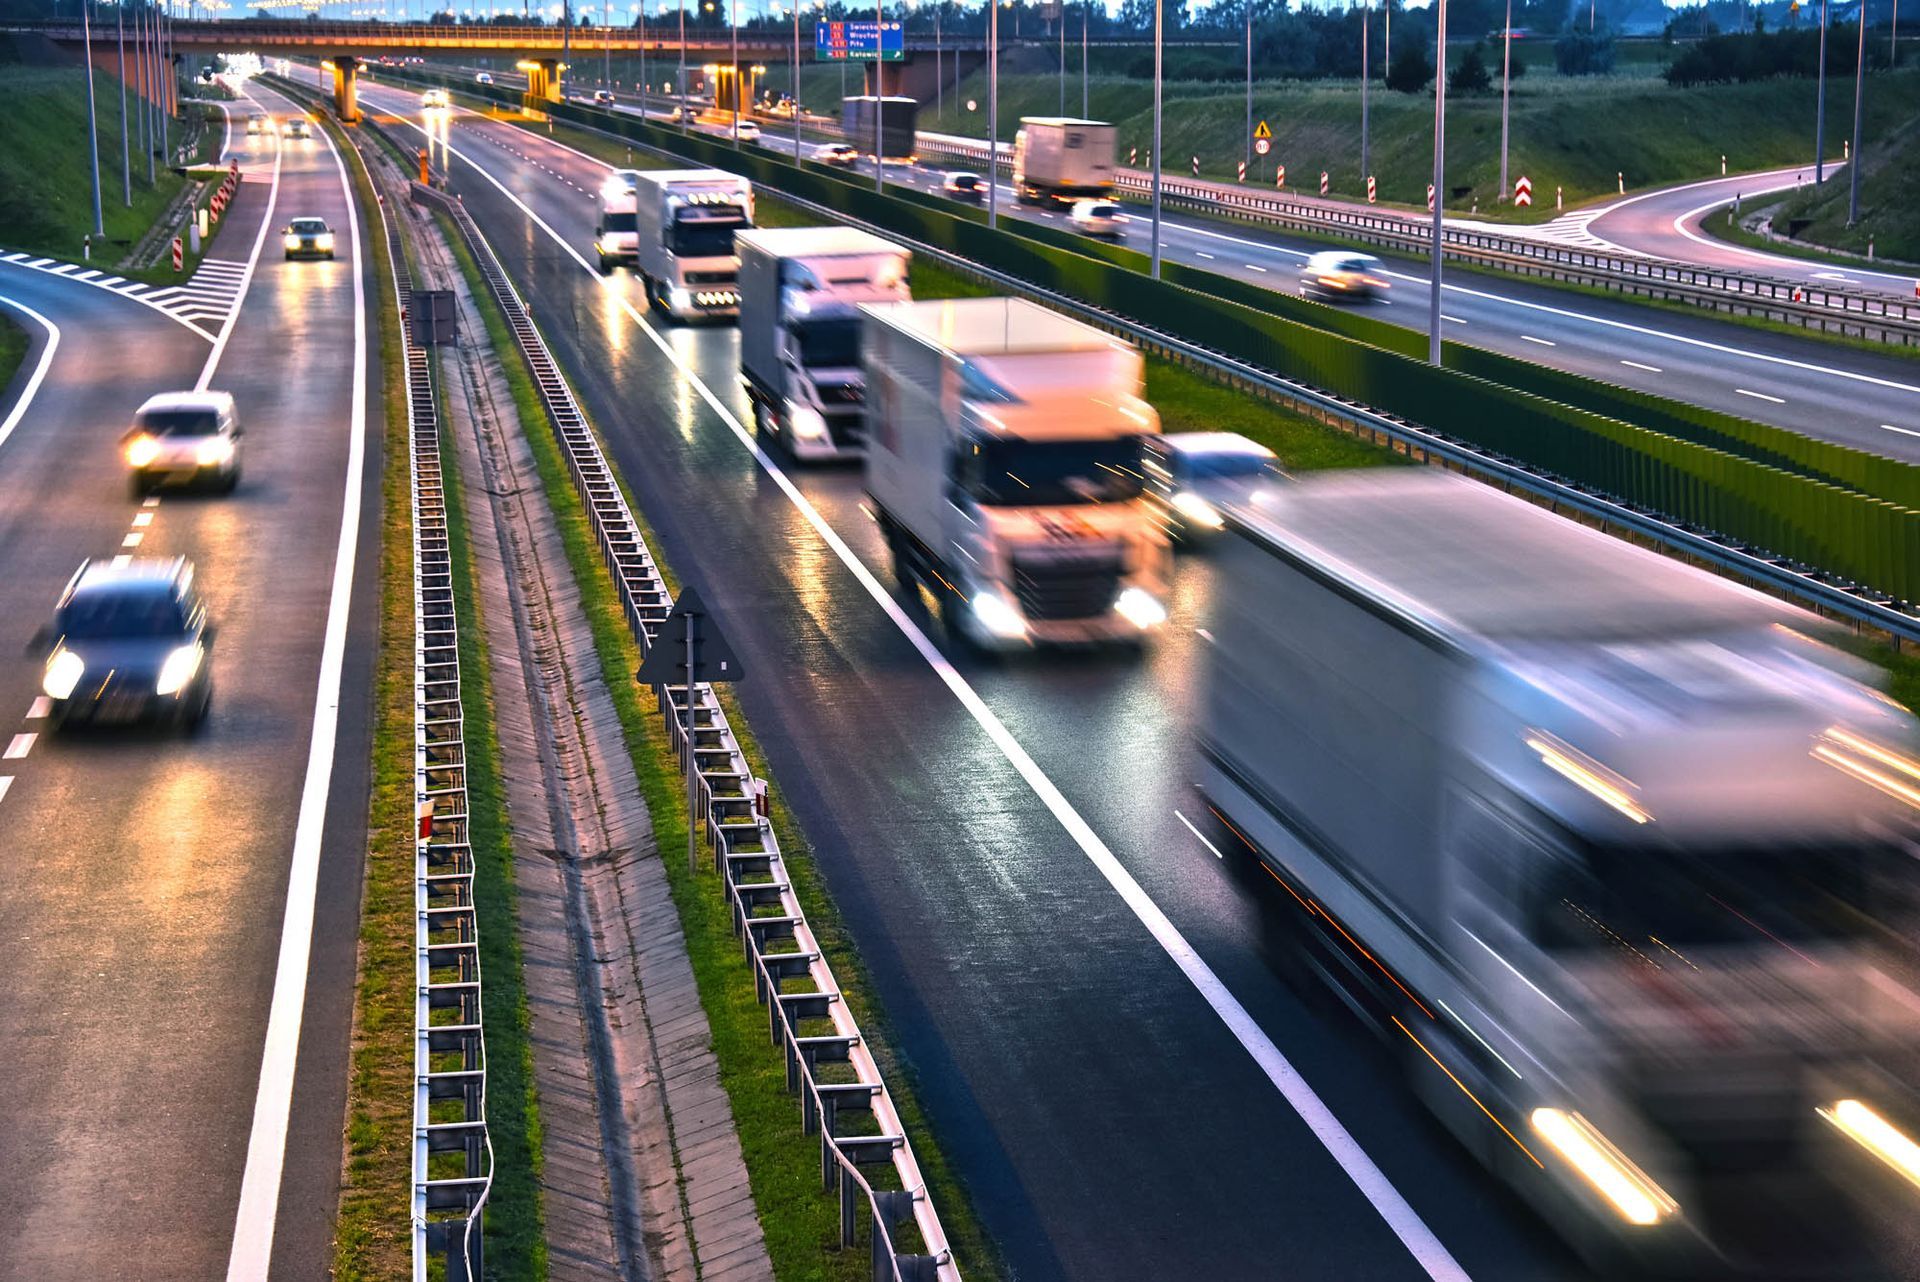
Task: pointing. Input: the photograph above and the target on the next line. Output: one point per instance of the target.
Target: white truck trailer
(1062, 160)
(1618, 859)
(674, 228)
(1004, 459)
(800, 294)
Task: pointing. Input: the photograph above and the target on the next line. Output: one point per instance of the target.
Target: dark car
(971, 188)
(128, 643)
(308, 238)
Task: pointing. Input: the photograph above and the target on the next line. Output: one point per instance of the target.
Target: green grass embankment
(1889, 198)
(13, 350)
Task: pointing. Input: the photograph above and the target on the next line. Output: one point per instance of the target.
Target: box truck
(1004, 458)
(1617, 857)
(800, 294)
(1062, 160)
(898, 122)
(674, 228)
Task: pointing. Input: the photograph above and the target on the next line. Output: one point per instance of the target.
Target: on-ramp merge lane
(146, 872)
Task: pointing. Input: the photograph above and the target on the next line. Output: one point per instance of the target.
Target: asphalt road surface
(149, 873)
(1083, 990)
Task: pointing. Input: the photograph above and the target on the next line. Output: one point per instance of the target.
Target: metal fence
(843, 1098)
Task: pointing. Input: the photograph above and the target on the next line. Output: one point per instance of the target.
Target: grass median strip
(798, 1219)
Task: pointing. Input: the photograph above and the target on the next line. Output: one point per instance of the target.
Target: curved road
(149, 873)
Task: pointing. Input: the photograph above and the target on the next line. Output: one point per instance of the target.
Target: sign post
(1262, 142)
(702, 656)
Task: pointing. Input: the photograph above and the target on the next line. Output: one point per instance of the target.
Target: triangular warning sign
(688, 627)
(1261, 131)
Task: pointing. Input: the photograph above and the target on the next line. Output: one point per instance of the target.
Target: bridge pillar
(543, 80)
(892, 77)
(346, 71)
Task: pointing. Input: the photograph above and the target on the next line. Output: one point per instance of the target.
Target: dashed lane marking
(22, 744)
(1904, 431)
(1651, 369)
(40, 708)
(6, 782)
(1761, 396)
(141, 519)
(1544, 342)
(132, 540)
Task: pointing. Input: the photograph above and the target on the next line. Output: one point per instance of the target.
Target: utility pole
(1506, 90)
(126, 142)
(1859, 98)
(1439, 177)
(93, 120)
(1820, 106)
(1159, 22)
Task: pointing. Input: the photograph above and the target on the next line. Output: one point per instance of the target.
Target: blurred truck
(800, 295)
(898, 123)
(1062, 160)
(674, 228)
(1616, 857)
(1004, 460)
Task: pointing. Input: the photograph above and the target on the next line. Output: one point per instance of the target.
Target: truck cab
(675, 229)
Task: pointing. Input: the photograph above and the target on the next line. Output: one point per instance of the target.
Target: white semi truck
(1004, 459)
(675, 228)
(800, 295)
(1618, 859)
(1062, 160)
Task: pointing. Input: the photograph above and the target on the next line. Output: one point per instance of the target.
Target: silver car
(1192, 475)
(1098, 218)
(1340, 275)
(184, 438)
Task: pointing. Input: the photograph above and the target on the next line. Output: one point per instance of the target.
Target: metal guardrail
(449, 1048)
(1852, 312)
(807, 1014)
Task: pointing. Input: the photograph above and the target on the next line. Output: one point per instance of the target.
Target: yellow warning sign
(1261, 131)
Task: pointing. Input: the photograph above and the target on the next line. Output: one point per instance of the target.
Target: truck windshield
(1657, 902)
(622, 222)
(1022, 473)
(826, 344)
(703, 238)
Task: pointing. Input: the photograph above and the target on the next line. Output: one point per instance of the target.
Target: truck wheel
(601, 254)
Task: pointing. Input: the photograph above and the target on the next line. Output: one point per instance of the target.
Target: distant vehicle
(749, 130)
(435, 99)
(1339, 275)
(680, 241)
(897, 125)
(1100, 218)
(483, 78)
(1191, 476)
(603, 97)
(971, 188)
(257, 124)
(296, 127)
(1615, 853)
(800, 331)
(1004, 450)
(687, 113)
(308, 238)
(784, 109)
(836, 153)
(128, 643)
(1063, 160)
(183, 438)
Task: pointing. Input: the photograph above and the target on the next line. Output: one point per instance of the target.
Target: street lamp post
(1083, 61)
(126, 145)
(796, 81)
(1506, 88)
(1820, 105)
(1158, 41)
(879, 94)
(1366, 78)
(993, 113)
(682, 113)
(739, 90)
(1859, 97)
(1061, 22)
(1439, 177)
(93, 122)
(1247, 5)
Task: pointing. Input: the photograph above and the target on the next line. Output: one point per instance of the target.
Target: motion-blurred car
(1098, 218)
(435, 100)
(971, 188)
(308, 238)
(749, 130)
(483, 78)
(184, 438)
(128, 643)
(257, 124)
(1192, 475)
(836, 153)
(296, 127)
(1339, 275)
(603, 97)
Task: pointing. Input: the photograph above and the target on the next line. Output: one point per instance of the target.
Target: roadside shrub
(1470, 75)
(1584, 53)
(1411, 68)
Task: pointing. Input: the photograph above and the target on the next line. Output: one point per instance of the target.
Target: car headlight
(1140, 608)
(63, 673)
(215, 452)
(323, 241)
(806, 421)
(1636, 1198)
(997, 616)
(1198, 510)
(179, 669)
(142, 450)
(293, 242)
(1877, 1135)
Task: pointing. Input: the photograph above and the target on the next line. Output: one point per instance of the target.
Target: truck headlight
(293, 242)
(997, 616)
(1198, 510)
(1636, 1198)
(215, 452)
(63, 673)
(1875, 1134)
(678, 298)
(806, 422)
(142, 450)
(178, 669)
(1140, 608)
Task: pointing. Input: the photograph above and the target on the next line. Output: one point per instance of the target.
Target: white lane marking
(39, 374)
(1832, 276)
(246, 277)
(40, 707)
(1542, 341)
(1904, 431)
(152, 500)
(1761, 396)
(1386, 1200)
(6, 782)
(22, 744)
(1651, 369)
(1203, 253)
(141, 519)
(1454, 319)
(1253, 267)
(124, 289)
(1200, 835)
(132, 540)
(121, 561)
(273, 1103)
(1793, 265)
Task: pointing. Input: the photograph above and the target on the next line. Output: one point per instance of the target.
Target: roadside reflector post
(1373, 189)
(202, 216)
(1620, 177)
(177, 253)
(423, 815)
(193, 235)
(1723, 166)
(86, 247)
(426, 175)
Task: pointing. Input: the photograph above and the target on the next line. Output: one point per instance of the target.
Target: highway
(154, 1065)
(1085, 991)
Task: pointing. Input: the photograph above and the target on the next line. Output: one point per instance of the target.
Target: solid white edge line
(1761, 256)
(1399, 1215)
(253, 1229)
(39, 375)
(246, 278)
(1904, 431)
